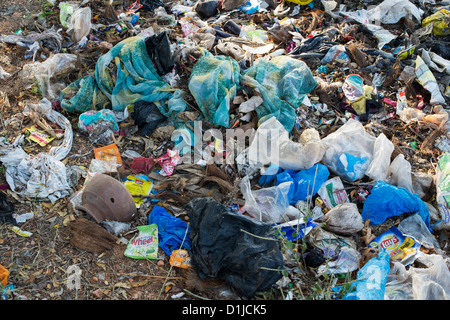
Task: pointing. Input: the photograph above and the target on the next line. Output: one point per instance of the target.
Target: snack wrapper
(400, 247)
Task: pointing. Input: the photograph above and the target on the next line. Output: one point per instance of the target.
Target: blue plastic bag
(387, 201)
(305, 183)
(269, 175)
(308, 182)
(172, 232)
(371, 279)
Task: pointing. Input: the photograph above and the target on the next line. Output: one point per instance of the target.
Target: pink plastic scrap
(168, 162)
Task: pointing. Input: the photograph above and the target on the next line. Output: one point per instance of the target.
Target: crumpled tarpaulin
(283, 83)
(135, 77)
(213, 83)
(41, 176)
(123, 76)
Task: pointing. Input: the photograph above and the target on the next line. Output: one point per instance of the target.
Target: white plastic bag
(79, 23)
(399, 173)
(391, 11)
(271, 145)
(430, 283)
(383, 148)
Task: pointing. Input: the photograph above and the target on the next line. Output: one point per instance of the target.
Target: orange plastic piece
(4, 273)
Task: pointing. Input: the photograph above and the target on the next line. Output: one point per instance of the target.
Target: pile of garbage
(273, 145)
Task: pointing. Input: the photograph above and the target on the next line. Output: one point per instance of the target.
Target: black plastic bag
(150, 5)
(147, 117)
(158, 48)
(238, 249)
(6, 210)
(206, 8)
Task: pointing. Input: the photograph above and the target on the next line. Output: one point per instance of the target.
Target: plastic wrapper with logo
(144, 245)
(239, 250)
(332, 192)
(400, 247)
(168, 162)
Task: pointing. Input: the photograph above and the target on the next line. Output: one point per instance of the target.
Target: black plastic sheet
(238, 249)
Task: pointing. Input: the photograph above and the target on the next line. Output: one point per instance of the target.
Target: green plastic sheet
(283, 83)
(213, 83)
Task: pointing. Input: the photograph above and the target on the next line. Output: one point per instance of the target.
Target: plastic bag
(371, 279)
(391, 11)
(283, 83)
(158, 48)
(305, 183)
(387, 201)
(343, 219)
(173, 233)
(239, 250)
(267, 204)
(379, 167)
(214, 82)
(65, 11)
(79, 23)
(349, 151)
(49, 72)
(415, 227)
(332, 192)
(336, 53)
(41, 176)
(99, 126)
(443, 191)
(286, 153)
(440, 21)
(425, 283)
(428, 81)
(399, 173)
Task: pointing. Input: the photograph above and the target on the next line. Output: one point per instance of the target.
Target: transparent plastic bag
(267, 204)
(79, 23)
(349, 151)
